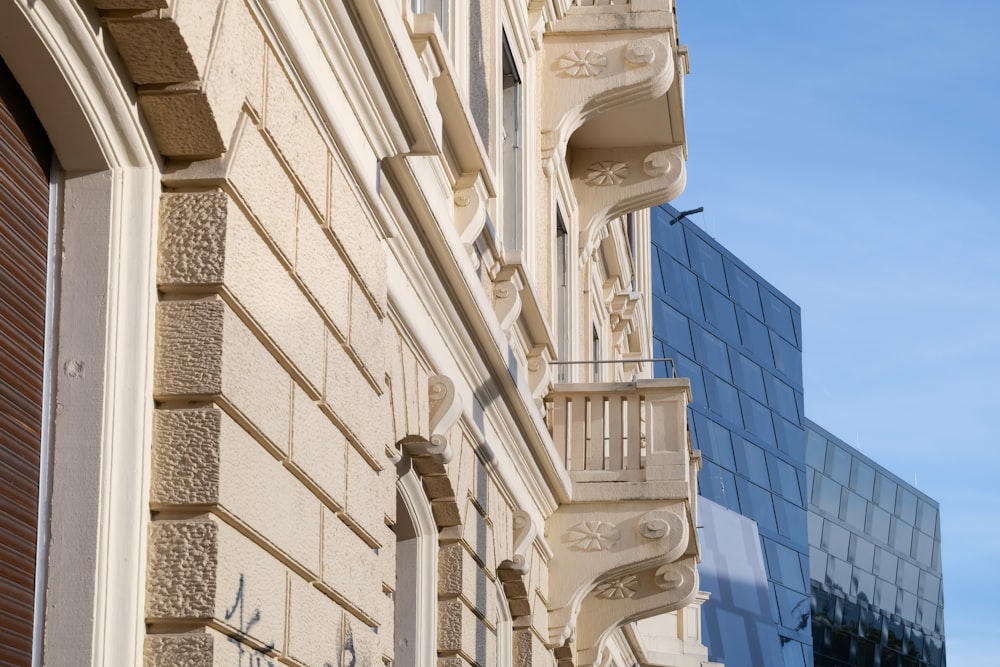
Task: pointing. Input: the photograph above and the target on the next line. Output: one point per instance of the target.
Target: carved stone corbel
(622, 599)
(430, 454)
(507, 302)
(538, 373)
(611, 182)
(470, 213)
(586, 74)
(595, 542)
(512, 572)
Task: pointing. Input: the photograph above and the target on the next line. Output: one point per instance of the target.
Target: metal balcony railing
(621, 432)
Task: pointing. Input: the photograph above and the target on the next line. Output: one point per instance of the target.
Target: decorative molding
(538, 373)
(607, 540)
(655, 590)
(514, 571)
(660, 524)
(606, 173)
(445, 409)
(507, 302)
(640, 52)
(582, 63)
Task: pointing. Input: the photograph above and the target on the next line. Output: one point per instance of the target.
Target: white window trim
(411, 490)
(92, 591)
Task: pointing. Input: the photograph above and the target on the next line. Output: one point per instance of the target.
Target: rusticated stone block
(201, 569)
(203, 350)
(265, 187)
(461, 631)
(349, 567)
(318, 449)
(187, 650)
(315, 626)
(362, 647)
(321, 268)
(367, 497)
(351, 226)
(364, 413)
(236, 66)
(129, 4)
(459, 575)
(367, 337)
(198, 447)
(153, 49)
(183, 122)
(206, 649)
(294, 133)
(234, 247)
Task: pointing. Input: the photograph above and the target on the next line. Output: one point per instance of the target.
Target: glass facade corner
(738, 340)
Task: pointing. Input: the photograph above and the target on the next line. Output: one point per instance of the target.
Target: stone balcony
(626, 542)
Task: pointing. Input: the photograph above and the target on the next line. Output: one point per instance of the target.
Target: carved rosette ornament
(607, 172)
(617, 589)
(582, 63)
(593, 536)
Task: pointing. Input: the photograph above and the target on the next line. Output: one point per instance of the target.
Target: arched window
(415, 617)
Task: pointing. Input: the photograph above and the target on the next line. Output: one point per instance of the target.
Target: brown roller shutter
(24, 205)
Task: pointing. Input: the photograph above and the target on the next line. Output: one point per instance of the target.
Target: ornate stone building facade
(318, 275)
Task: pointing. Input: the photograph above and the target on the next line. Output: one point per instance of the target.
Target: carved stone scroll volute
(507, 302)
(513, 571)
(429, 455)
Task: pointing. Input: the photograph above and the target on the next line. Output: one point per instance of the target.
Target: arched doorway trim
(415, 500)
(94, 541)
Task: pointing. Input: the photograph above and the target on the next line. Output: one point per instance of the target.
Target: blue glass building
(813, 553)
(739, 341)
(875, 559)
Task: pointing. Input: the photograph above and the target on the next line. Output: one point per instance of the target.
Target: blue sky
(850, 153)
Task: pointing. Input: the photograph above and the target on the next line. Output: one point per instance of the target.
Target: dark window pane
(815, 450)
(886, 565)
(757, 419)
(756, 339)
(862, 478)
(901, 536)
(836, 540)
(853, 508)
(743, 289)
(781, 397)
(838, 464)
(926, 517)
(885, 493)
(715, 441)
(863, 553)
(778, 315)
(756, 504)
(671, 326)
(720, 313)
(752, 463)
(826, 496)
(787, 358)
(747, 375)
(877, 524)
(712, 352)
(706, 261)
(785, 480)
(906, 506)
(723, 400)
